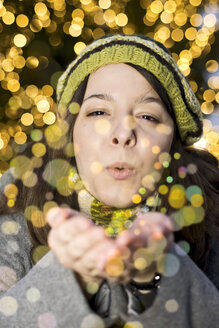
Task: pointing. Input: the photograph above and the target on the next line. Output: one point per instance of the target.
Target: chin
(118, 203)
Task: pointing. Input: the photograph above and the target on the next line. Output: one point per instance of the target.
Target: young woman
(132, 238)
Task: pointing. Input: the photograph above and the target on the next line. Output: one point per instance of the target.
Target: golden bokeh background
(39, 38)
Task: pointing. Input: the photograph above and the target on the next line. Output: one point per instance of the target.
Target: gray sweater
(47, 295)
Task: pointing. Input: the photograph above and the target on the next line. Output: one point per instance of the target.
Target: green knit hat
(147, 53)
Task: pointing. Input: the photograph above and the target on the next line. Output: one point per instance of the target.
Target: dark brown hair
(206, 177)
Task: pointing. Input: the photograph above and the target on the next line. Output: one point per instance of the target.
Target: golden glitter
(136, 199)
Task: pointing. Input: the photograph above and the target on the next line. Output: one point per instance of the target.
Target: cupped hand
(140, 250)
(77, 241)
(84, 247)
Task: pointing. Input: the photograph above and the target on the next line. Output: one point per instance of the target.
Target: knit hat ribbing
(147, 53)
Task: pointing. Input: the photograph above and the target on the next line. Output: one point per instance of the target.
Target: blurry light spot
(190, 33)
(33, 295)
(11, 191)
(177, 34)
(177, 155)
(177, 197)
(47, 320)
(140, 264)
(8, 18)
(104, 4)
(10, 228)
(20, 40)
(13, 85)
(36, 135)
(8, 305)
(142, 191)
(170, 6)
(169, 179)
(133, 324)
(20, 138)
(136, 199)
(114, 266)
(155, 149)
(196, 20)
(211, 66)
(96, 167)
(171, 265)
(49, 118)
(210, 20)
(32, 91)
(156, 6)
(121, 19)
(43, 106)
(191, 168)
(8, 278)
(207, 107)
(92, 287)
(163, 189)
(109, 15)
(29, 179)
(40, 9)
(47, 90)
(92, 320)
(74, 108)
(78, 47)
(171, 306)
(32, 62)
(22, 20)
(102, 126)
(39, 149)
(184, 245)
(196, 200)
(75, 30)
(12, 246)
(27, 119)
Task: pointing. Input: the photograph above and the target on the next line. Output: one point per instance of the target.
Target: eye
(97, 113)
(149, 118)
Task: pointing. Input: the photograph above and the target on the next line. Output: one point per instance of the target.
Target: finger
(56, 215)
(68, 229)
(84, 241)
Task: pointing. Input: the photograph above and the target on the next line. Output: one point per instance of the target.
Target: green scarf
(114, 220)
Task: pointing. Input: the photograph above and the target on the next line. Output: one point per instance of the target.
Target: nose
(123, 137)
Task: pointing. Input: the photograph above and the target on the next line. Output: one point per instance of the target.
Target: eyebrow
(139, 100)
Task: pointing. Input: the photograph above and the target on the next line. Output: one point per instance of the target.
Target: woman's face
(119, 133)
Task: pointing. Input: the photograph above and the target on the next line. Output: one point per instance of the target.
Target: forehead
(118, 78)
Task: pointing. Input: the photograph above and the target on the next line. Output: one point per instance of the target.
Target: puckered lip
(120, 165)
(121, 170)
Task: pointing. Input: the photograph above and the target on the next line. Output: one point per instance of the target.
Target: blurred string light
(27, 109)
